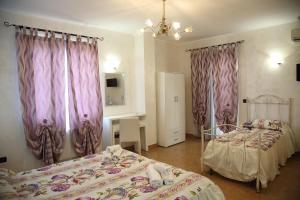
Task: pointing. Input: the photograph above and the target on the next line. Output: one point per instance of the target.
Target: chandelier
(165, 28)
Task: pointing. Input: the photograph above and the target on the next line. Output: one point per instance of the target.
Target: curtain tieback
(44, 128)
(86, 126)
(87, 132)
(47, 148)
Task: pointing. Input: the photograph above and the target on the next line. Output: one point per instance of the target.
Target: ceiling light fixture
(165, 28)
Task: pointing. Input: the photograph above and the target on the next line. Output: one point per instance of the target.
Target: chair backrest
(129, 129)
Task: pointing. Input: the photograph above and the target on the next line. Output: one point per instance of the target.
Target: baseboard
(190, 135)
(152, 146)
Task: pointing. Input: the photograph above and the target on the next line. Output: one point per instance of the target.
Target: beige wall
(167, 56)
(256, 75)
(150, 88)
(139, 81)
(12, 141)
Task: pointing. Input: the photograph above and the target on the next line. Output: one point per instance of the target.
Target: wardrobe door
(179, 111)
(176, 105)
(176, 109)
(170, 103)
(180, 108)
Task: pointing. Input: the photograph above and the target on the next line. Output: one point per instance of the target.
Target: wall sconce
(111, 64)
(276, 59)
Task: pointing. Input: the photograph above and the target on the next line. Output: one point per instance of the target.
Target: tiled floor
(186, 155)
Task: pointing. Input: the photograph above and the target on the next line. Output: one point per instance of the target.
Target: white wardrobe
(170, 108)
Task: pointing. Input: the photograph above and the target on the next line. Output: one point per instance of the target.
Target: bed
(89, 178)
(256, 151)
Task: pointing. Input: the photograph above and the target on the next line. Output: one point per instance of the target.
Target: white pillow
(275, 125)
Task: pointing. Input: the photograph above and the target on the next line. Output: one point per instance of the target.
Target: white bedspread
(237, 159)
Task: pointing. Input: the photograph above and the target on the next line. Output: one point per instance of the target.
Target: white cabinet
(170, 108)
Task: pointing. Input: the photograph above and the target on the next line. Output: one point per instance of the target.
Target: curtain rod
(240, 41)
(7, 24)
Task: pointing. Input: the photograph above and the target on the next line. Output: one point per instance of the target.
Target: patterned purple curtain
(225, 81)
(42, 89)
(85, 102)
(200, 68)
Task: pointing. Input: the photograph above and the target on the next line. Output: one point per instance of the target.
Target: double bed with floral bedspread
(90, 178)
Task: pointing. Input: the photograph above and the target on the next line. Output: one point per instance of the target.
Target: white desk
(111, 125)
(116, 127)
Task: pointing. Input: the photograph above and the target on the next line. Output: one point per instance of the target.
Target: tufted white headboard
(269, 107)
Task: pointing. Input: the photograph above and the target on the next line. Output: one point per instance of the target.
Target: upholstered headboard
(269, 107)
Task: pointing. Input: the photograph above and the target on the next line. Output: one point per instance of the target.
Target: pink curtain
(200, 68)
(85, 103)
(225, 81)
(42, 89)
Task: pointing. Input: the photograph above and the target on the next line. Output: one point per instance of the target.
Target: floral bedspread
(250, 138)
(235, 154)
(88, 178)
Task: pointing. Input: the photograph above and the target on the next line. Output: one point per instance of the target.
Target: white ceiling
(208, 17)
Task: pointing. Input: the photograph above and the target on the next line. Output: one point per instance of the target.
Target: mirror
(114, 89)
